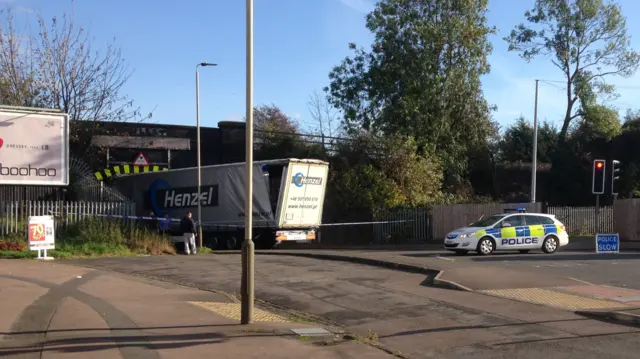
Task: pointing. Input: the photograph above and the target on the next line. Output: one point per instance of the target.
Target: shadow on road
(90, 344)
(51, 331)
(143, 341)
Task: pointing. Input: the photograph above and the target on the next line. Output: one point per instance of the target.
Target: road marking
(445, 258)
(581, 281)
(232, 311)
(554, 299)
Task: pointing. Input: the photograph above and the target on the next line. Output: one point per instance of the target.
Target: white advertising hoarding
(34, 147)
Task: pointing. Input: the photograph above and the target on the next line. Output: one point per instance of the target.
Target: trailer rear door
(302, 195)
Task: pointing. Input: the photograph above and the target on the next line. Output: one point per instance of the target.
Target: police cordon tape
(213, 224)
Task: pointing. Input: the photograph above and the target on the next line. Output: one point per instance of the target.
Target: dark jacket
(187, 225)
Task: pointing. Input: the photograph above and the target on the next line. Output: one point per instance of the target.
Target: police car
(514, 230)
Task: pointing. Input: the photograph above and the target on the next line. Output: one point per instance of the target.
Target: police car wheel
(485, 246)
(550, 245)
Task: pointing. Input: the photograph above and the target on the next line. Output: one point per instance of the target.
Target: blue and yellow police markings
(521, 235)
(125, 170)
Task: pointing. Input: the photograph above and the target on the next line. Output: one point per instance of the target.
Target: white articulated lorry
(288, 195)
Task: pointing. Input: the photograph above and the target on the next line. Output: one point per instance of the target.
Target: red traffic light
(599, 165)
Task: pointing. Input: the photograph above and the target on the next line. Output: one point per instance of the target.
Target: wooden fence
(14, 215)
(627, 219)
(449, 217)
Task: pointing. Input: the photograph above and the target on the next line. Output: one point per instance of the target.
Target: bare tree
(63, 71)
(272, 125)
(17, 81)
(325, 117)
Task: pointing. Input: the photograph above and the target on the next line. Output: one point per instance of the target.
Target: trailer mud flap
(296, 236)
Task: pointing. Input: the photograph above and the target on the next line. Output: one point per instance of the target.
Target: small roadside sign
(41, 231)
(141, 160)
(607, 243)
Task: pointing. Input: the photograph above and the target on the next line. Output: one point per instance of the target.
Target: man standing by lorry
(188, 228)
(165, 224)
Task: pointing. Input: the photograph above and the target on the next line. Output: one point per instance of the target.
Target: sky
(296, 43)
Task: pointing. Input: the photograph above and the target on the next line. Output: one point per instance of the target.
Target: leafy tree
(598, 122)
(421, 78)
(586, 39)
(631, 121)
(376, 173)
(516, 145)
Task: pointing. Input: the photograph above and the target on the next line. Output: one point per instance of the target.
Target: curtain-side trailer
(288, 195)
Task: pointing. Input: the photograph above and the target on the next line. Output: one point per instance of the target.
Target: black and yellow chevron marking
(117, 171)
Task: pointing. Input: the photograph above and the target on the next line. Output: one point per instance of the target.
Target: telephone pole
(534, 154)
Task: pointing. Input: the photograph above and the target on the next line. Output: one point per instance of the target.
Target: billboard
(34, 147)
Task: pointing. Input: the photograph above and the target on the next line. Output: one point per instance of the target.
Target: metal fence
(14, 214)
(582, 220)
(402, 226)
(415, 225)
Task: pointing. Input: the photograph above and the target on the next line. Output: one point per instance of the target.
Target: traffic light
(599, 167)
(615, 176)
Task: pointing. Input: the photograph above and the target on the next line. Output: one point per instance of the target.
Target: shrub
(93, 237)
(100, 236)
(11, 246)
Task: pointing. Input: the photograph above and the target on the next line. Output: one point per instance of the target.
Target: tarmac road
(621, 270)
(398, 309)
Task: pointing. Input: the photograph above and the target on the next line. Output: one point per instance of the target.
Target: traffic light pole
(597, 213)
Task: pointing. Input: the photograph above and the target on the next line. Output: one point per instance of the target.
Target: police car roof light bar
(512, 210)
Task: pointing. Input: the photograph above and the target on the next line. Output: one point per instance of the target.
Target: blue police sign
(607, 243)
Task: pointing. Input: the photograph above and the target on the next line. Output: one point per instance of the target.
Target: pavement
(399, 310)
(53, 310)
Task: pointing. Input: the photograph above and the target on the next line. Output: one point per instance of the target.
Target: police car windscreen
(485, 222)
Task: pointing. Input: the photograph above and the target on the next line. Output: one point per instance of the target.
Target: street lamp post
(534, 154)
(203, 64)
(247, 285)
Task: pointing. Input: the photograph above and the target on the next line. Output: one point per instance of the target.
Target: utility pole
(534, 154)
(198, 146)
(248, 253)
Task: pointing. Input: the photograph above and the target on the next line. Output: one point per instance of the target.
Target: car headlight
(464, 235)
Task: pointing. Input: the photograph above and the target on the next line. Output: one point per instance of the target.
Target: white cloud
(363, 6)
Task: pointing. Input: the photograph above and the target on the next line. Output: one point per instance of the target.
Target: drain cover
(312, 332)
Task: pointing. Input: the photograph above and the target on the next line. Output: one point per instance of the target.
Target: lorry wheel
(231, 243)
(212, 243)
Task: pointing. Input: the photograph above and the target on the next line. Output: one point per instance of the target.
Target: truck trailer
(288, 195)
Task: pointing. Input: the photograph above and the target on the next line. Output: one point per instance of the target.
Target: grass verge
(93, 237)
